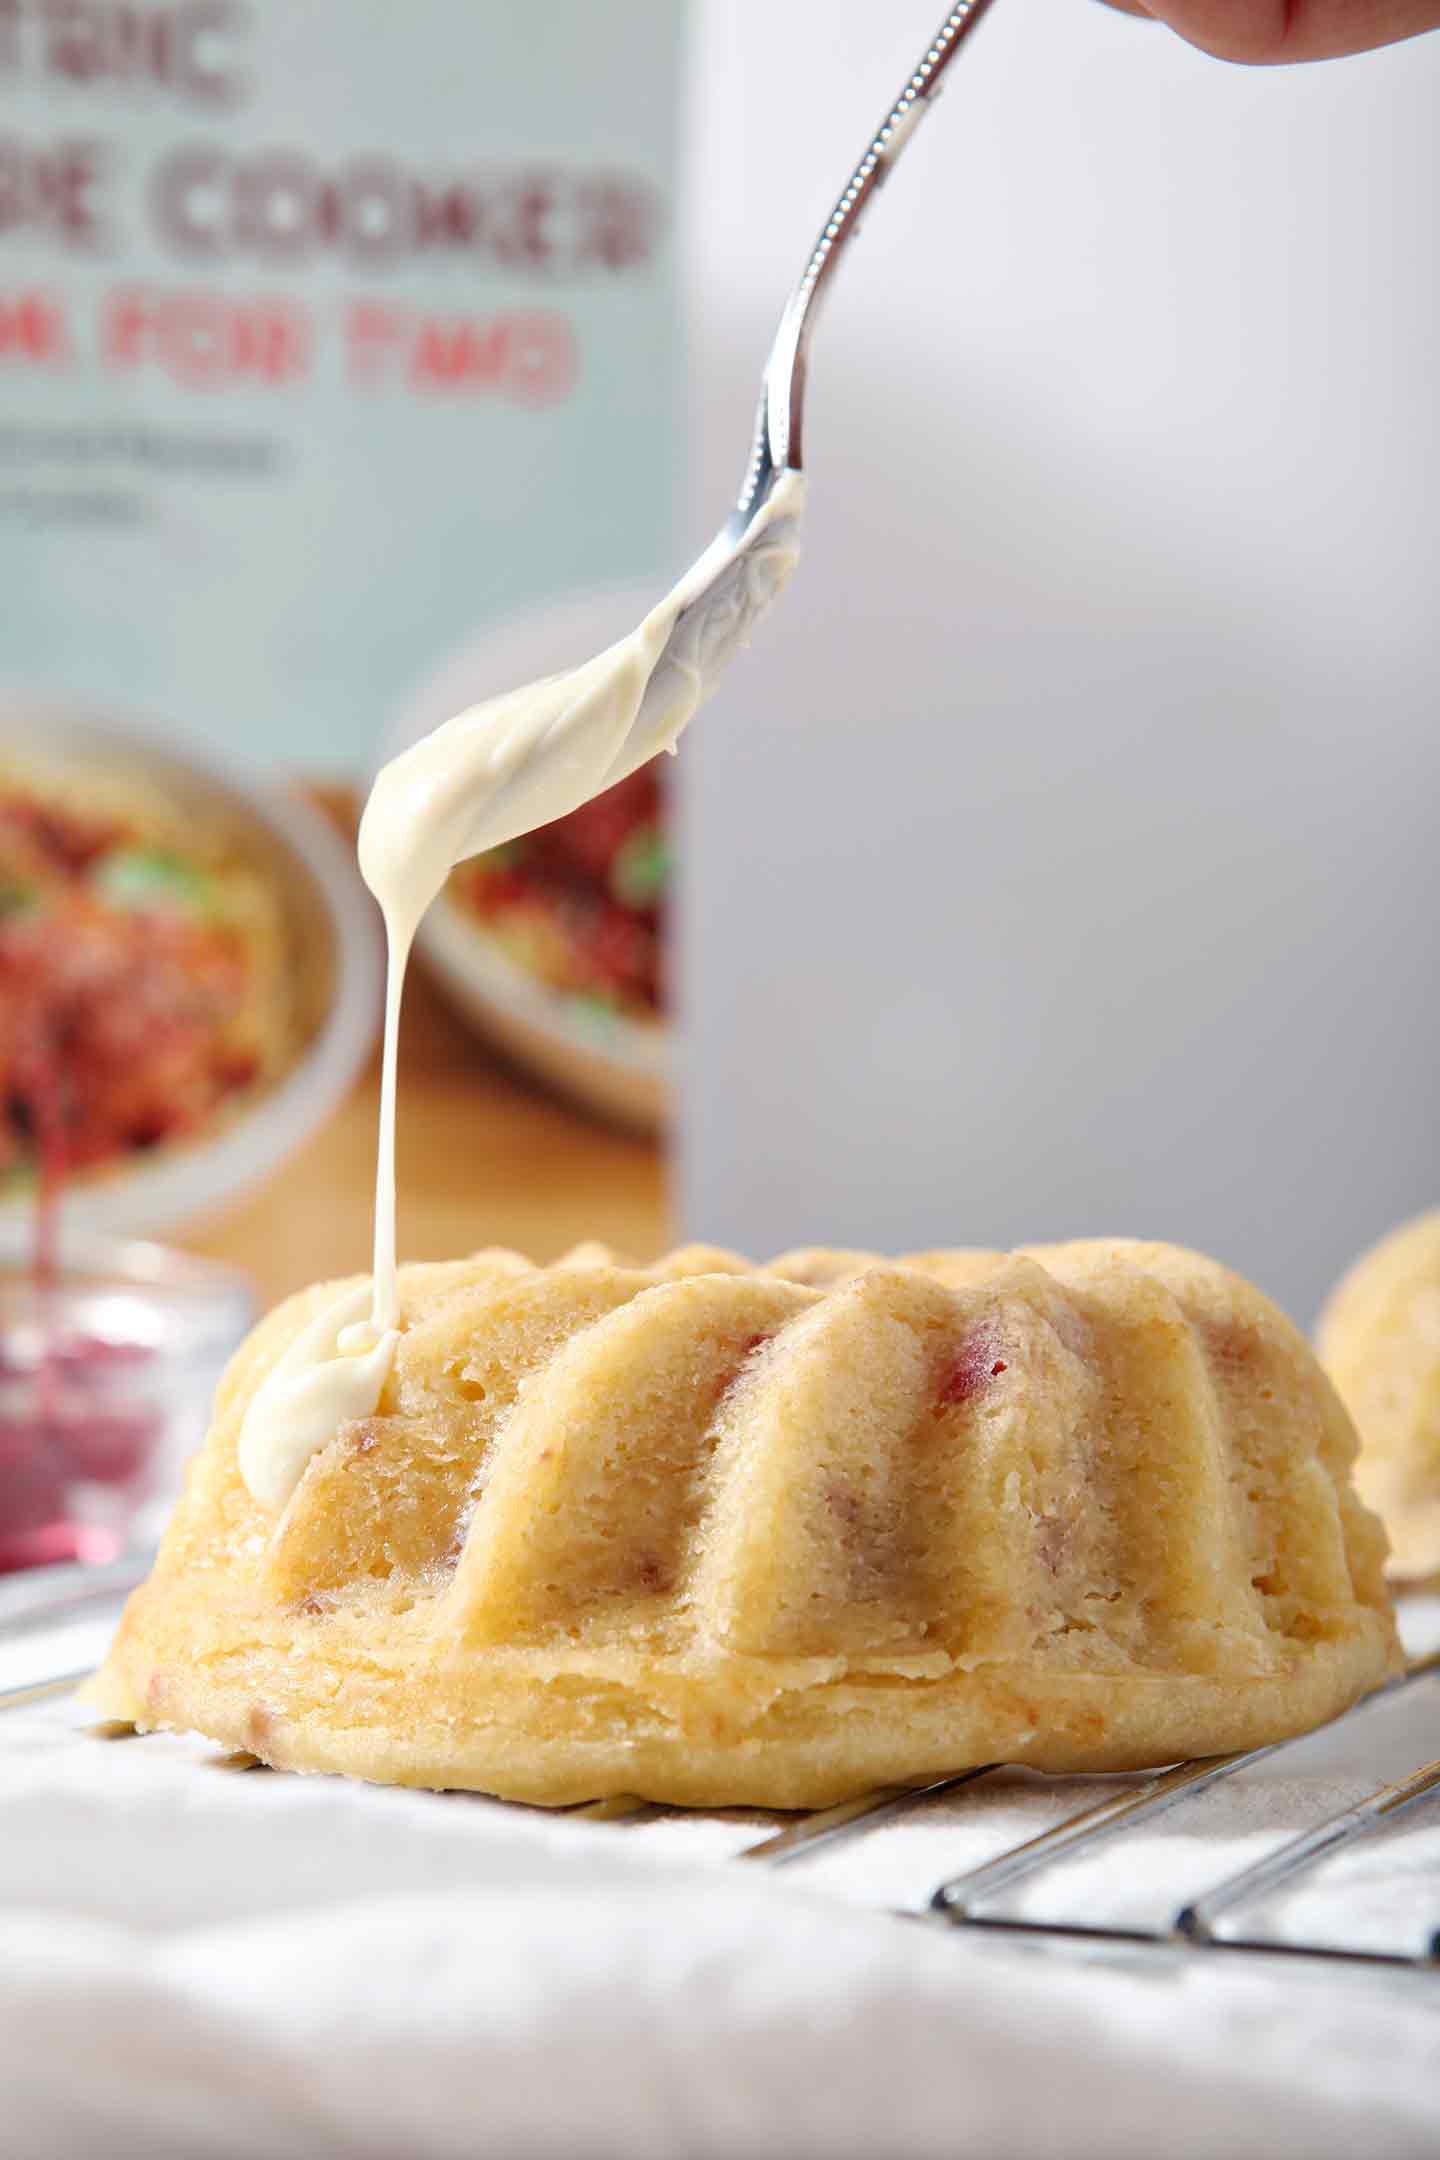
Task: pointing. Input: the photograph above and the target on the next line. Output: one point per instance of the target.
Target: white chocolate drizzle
(491, 774)
(331, 1374)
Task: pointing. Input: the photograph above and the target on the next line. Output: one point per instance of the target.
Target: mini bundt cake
(714, 1534)
(1379, 1340)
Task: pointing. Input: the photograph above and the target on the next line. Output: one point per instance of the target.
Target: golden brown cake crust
(718, 1534)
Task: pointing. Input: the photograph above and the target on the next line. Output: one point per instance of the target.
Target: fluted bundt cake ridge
(718, 1533)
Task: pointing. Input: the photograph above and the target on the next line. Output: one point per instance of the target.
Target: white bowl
(339, 939)
(619, 1067)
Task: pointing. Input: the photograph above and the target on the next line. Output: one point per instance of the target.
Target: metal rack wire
(1209, 1924)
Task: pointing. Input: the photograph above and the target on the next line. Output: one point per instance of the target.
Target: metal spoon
(738, 574)
(777, 441)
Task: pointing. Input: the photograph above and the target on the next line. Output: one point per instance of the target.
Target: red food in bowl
(581, 903)
(124, 993)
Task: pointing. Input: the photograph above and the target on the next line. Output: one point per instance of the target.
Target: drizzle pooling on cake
(495, 772)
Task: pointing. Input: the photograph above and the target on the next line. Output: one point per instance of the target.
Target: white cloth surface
(196, 1963)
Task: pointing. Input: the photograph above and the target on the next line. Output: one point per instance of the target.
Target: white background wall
(1063, 857)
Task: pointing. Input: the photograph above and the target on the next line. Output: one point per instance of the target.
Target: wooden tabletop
(483, 1158)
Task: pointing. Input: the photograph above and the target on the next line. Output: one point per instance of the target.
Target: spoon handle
(782, 394)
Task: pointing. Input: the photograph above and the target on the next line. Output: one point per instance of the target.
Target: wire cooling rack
(1211, 1923)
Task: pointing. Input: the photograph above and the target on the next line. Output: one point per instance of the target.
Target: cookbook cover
(331, 334)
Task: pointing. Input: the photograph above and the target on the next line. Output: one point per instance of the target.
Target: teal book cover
(333, 335)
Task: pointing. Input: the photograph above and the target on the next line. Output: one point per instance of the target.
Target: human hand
(1268, 32)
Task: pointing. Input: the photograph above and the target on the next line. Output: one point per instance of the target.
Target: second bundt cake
(715, 1534)
(1379, 1340)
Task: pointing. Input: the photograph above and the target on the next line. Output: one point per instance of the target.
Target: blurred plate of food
(554, 946)
(189, 976)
